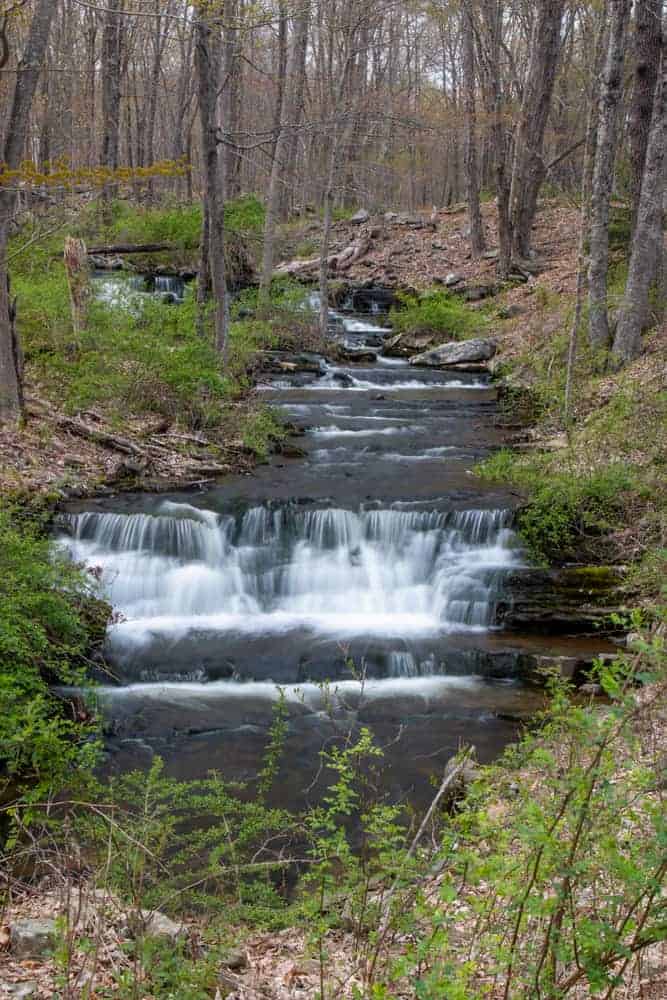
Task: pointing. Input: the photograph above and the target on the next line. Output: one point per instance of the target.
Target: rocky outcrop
(464, 352)
(360, 217)
(281, 362)
(405, 345)
(574, 600)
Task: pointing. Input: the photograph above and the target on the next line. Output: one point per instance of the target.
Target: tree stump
(78, 279)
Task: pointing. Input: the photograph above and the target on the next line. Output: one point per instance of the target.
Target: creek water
(361, 579)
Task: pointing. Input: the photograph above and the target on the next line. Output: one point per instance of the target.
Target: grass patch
(436, 312)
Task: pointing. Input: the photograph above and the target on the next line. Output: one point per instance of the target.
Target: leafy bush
(555, 868)
(436, 312)
(564, 509)
(49, 619)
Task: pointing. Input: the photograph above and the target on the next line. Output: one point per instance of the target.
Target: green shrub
(554, 870)
(436, 312)
(564, 510)
(50, 617)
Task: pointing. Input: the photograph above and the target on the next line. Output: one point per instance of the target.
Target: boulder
(355, 355)
(33, 938)
(360, 217)
(457, 352)
(405, 345)
(236, 959)
(477, 293)
(158, 925)
(453, 279)
(19, 991)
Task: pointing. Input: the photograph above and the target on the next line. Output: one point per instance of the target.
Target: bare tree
(207, 60)
(15, 135)
(471, 164)
(647, 246)
(112, 45)
(646, 52)
(529, 168)
(603, 173)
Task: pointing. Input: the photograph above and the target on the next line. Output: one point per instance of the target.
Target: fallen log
(337, 262)
(120, 248)
(112, 441)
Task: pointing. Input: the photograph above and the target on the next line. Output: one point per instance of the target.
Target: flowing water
(362, 580)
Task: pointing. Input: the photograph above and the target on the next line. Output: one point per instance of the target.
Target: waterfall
(275, 567)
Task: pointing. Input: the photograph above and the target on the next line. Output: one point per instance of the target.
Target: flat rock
(358, 219)
(33, 938)
(457, 352)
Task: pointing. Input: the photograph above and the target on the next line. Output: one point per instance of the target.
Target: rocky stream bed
(369, 580)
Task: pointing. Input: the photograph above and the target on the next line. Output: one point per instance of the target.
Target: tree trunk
(471, 165)
(584, 226)
(232, 95)
(78, 279)
(646, 51)
(296, 105)
(14, 146)
(647, 246)
(207, 59)
(529, 169)
(277, 176)
(603, 175)
(111, 76)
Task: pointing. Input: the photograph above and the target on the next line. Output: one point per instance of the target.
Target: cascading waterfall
(272, 568)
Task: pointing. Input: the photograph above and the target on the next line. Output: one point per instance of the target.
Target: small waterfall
(402, 664)
(278, 567)
(170, 287)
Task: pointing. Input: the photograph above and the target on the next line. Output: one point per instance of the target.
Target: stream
(362, 580)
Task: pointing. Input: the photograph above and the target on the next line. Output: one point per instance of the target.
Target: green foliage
(436, 312)
(556, 864)
(125, 222)
(565, 509)
(49, 619)
(181, 844)
(167, 971)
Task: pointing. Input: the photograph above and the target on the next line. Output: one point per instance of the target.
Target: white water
(272, 570)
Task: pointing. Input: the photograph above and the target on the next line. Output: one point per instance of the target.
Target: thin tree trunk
(232, 95)
(296, 107)
(111, 77)
(27, 76)
(207, 59)
(647, 246)
(276, 178)
(529, 168)
(586, 183)
(603, 175)
(471, 164)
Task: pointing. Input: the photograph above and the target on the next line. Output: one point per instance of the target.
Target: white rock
(32, 938)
